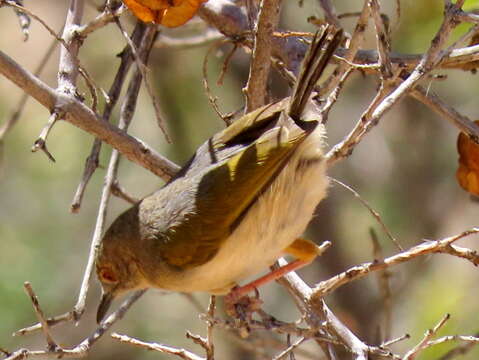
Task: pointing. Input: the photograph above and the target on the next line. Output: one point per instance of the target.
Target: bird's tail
(317, 57)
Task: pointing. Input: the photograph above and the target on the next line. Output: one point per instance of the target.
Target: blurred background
(405, 168)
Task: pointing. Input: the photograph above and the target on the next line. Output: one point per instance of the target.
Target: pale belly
(277, 218)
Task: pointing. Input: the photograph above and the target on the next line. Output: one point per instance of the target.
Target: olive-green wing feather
(213, 190)
(243, 132)
(221, 195)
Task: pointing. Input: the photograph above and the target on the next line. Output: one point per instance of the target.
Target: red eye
(107, 275)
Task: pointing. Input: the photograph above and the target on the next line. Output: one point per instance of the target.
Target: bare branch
(52, 345)
(411, 354)
(181, 353)
(81, 116)
(396, 340)
(210, 347)
(83, 348)
(106, 17)
(92, 161)
(41, 142)
(206, 84)
(143, 69)
(68, 66)
(382, 40)
(384, 286)
(433, 101)
(118, 191)
(126, 115)
(469, 343)
(205, 38)
(256, 88)
(428, 247)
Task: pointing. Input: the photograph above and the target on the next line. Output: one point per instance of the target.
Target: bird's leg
(305, 251)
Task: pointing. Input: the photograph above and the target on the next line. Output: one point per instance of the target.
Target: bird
(242, 201)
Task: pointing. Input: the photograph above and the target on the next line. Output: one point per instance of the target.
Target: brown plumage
(241, 201)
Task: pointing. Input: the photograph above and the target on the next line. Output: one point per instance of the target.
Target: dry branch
(428, 247)
(256, 88)
(81, 116)
(181, 353)
(400, 76)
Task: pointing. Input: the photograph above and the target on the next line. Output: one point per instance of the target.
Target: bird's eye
(107, 275)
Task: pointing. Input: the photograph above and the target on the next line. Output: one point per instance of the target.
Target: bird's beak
(105, 302)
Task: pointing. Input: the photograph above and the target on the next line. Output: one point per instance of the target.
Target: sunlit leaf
(170, 13)
(468, 172)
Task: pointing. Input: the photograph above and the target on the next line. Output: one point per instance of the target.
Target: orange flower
(468, 172)
(170, 13)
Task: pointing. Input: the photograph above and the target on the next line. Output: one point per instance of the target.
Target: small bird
(242, 201)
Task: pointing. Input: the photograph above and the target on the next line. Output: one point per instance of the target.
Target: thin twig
(206, 343)
(289, 349)
(334, 95)
(382, 40)
(68, 65)
(373, 212)
(82, 349)
(382, 103)
(210, 347)
(118, 191)
(465, 253)
(428, 247)
(41, 142)
(50, 322)
(182, 353)
(233, 23)
(211, 98)
(396, 340)
(92, 161)
(411, 354)
(106, 17)
(460, 349)
(205, 38)
(384, 286)
(126, 115)
(52, 345)
(353, 47)
(433, 101)
(149, 89)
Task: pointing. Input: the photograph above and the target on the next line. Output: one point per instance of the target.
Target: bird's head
(117, 265)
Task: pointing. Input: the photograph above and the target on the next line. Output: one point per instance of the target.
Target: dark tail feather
(315, 61)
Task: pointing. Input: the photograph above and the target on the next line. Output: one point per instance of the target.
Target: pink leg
(237, 293)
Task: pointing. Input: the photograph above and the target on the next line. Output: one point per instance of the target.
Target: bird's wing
(233, 139)
(221, 193)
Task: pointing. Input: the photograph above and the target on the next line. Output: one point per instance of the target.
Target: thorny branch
(399, 74)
